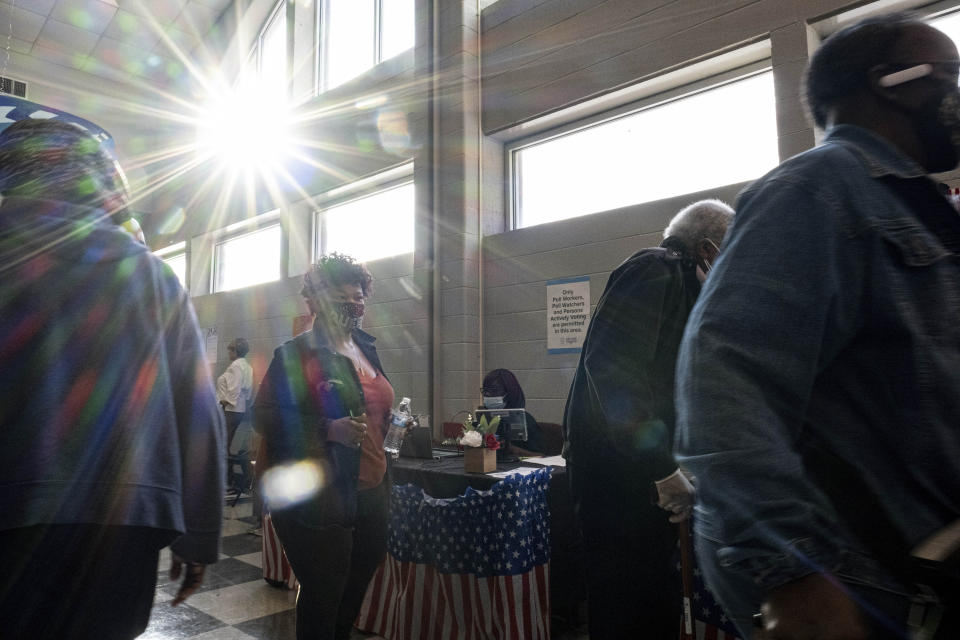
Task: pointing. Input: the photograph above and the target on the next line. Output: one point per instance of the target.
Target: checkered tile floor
(234, 602)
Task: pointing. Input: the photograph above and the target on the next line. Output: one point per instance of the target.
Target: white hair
(702, 219)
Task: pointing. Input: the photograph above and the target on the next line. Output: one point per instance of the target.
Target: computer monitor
(513, 423)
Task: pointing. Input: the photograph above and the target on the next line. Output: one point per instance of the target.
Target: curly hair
(334, 270)
(58, 161)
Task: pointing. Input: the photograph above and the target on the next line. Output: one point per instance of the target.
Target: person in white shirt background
(235, 387)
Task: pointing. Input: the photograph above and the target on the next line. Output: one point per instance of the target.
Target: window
(371, 227)
(396, 27)
(247, 129)
(719, 136)
(272, 48)
(178, 264)
(949, 24)
(264, 74)
(176, 258)
(247, 259)
(357, 34)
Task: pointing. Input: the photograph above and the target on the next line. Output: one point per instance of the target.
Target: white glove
(675, 495)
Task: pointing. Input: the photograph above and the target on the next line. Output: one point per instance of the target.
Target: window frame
(365, 187)
(925, 10)
(239, 230)
(275, 14)
(254, 57)
(322, 30)
(378, 25)
(174, 251)
(657, 99)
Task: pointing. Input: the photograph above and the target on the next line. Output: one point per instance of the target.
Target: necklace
(356, 359)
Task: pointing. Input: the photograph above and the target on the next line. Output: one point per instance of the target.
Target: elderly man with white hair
(619, 423)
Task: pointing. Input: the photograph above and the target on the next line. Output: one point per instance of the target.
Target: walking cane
(686, 574)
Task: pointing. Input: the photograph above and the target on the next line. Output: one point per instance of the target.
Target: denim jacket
(818, 383)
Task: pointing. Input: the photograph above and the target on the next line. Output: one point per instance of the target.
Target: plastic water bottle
(399, 418)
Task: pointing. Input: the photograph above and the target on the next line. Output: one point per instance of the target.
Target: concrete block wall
(540, 57)
(263, 314)
(517, 61)
(397, 317)
(517, 266)
(458, 327)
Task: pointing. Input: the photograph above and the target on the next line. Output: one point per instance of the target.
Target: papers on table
(544, 461)
(519, 471)
(548, 461)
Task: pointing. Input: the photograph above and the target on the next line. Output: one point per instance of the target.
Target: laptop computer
(418, 443)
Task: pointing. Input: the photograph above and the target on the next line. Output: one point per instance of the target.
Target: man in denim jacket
(818, 384)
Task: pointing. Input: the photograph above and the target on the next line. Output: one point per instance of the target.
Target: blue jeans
(885, 610)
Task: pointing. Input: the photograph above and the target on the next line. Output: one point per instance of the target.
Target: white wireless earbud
(906, 75)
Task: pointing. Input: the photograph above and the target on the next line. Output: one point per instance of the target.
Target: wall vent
(13, 87)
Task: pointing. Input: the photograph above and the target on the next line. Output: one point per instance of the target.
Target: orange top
(378, 395)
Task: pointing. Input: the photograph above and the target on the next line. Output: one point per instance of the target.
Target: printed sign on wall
(568, 314)
(210, 339)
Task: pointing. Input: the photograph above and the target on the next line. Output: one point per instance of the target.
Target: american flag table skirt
(709, 621)
(276, 568)
(475, 567)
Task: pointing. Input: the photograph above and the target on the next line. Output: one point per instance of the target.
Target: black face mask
(938, 126)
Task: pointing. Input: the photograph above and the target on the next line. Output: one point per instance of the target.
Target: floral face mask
(350, 314)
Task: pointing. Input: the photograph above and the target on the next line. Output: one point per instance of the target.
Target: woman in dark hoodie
(501, 390)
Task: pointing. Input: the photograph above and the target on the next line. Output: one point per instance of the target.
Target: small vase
(479, 460)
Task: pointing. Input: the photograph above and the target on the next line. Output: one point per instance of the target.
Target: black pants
(334, 564)
(78, 581)
(233, 420)
(629, 556)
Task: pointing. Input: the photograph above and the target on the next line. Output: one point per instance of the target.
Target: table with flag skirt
(709, 620)
(276, 567)
(471, 567)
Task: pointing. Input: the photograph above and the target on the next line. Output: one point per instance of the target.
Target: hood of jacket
(30, 228)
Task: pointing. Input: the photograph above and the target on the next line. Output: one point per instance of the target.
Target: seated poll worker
(322, 410)
(501, 390)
